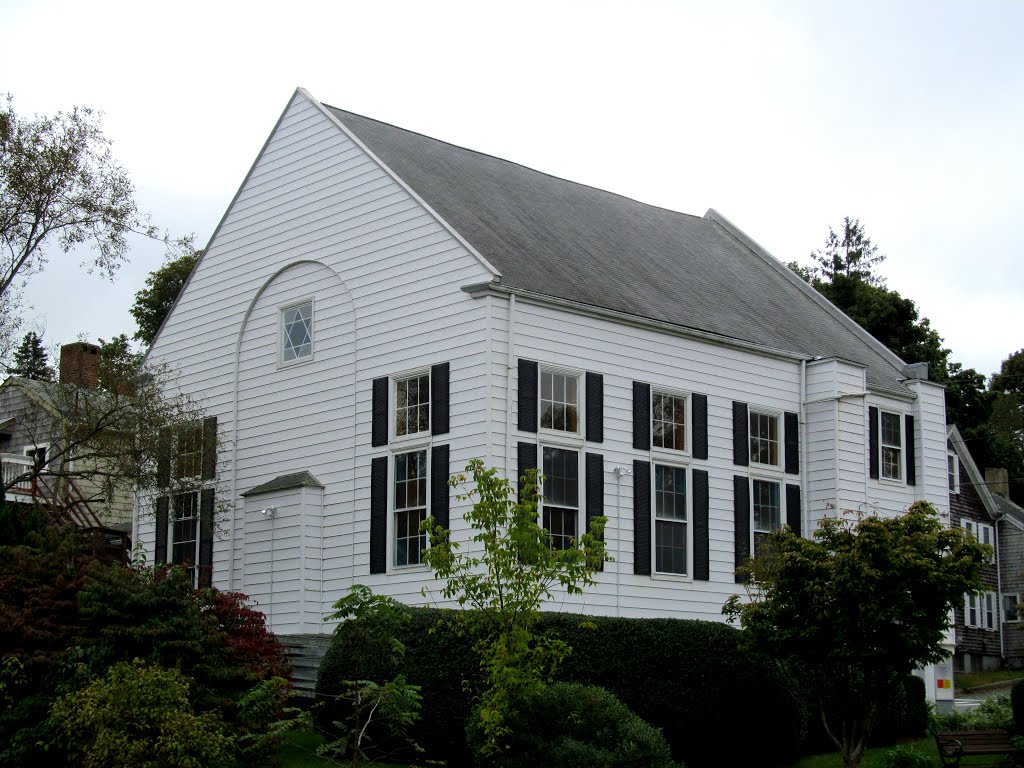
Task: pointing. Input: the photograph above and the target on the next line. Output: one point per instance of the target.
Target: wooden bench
(955, 745)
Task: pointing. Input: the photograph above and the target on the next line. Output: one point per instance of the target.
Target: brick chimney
(998, 481)
(80, 364)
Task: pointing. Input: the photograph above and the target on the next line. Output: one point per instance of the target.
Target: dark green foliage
(31, 360)
(19, 522)
(995, 712)
(154, 301)
(1017, 704)
(689, 678)
(118, 363)
(906, 757)
(572, 725)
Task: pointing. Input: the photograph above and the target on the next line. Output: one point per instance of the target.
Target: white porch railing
(13, 465)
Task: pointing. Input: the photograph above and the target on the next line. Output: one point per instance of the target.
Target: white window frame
(953, 472)
(990, 611)
(281, 362)
(984, 533)
(1015, 611)
(172, 518)
(393, 384)
(195, 428)
(686, 450)
(882, 445)
(393, 511)
(776, 416)
(972, 605)
(688, 522)
(580, 479)
(551, 434)
(774, 480)
(30, 451)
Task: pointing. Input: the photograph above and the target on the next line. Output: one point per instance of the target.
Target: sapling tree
(510, 570)
(859, 607)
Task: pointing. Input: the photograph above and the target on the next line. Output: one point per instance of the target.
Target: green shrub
(569, 724)
(993, 712)
(139, 716)
(906, 757)
(1017, 705)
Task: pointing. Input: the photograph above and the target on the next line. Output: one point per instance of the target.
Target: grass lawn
(970, 679)
(875, 758)
(299, 751)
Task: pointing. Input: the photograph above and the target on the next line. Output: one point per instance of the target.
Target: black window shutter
(595, 407)
(873, 442)
(740, 435)
(701, 527)
(642, 517)
(163, 504)
(793, 508)
(527, 460)
(163, 459)
(379, 435)
(379, 514)
(642, 417)
(741, 518)
(207, 498)
(700, 425)
(595, 490)
(439, 399)
(209, 448)
(527, 395)
(439, 490)
(791, 426)
(911, 461)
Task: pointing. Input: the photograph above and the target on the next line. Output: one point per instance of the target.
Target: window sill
(678, 578)
(410, 442)
(554, 437)
(282, 365)
(671, 456)
(418, 568)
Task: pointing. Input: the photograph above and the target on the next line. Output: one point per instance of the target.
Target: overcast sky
(784, 116)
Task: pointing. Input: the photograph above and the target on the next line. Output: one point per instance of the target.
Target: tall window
(185, 531)
(1010, 608)
(412, 405)
(767, 511)
(972, 615)
(410, 507)
(953, 472)
(188, 457)
(668, 421)
(297, 332)
(892, 446)
(764, 438)
(983, 533)
(561, 502)
(559, 401)
(670, 520)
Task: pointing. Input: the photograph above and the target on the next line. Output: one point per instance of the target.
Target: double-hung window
(953, 472)
(764, 438)
(561, 492)
(891, 445)
(412, 405)
(671, 520)
(983, 532)
(185, 531)
(980, 610)
(1010, 608)
(668, 421)
(410, 506)
(297, 332)
(559, 401)
(766, 506)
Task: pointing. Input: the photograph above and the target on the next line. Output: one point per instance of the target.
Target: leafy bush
(138, 716)
(1017, 704)
(569, 724)
(993, 712)
(906, 757)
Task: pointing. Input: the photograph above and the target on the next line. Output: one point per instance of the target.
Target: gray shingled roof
(559, 238)
(286, 483)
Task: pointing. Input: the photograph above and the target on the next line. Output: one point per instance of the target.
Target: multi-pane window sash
(767, 511)
(668, 421)
(892, 446)
(1010, 608)
(297, 332)
(188, 458)
(561, 492)
(559, 401)
(185, 531)
(990, 610)
(971, 614)
(764, 438)
(953, 473)
(410, 507)
(412, 405)
(670, 536)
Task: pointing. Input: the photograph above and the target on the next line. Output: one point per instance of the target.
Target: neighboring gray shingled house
(988, 627)
(377, 307)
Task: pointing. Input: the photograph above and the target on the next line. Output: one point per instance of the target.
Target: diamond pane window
(297, 332)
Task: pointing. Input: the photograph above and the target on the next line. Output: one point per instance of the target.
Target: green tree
(60, 184)
(154, 302)
(510, 571)
(119, 363)
(860, 607)
(31, 360)
(853, 255)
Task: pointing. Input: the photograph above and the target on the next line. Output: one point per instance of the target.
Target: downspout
(510, 367)
(620, 472)
(999, 588)
(805, 516)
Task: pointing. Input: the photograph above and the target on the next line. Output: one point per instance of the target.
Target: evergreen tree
(31, 360)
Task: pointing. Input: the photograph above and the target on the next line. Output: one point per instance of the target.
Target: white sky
(784, 116)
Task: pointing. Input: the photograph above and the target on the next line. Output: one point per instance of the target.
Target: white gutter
(805, 517)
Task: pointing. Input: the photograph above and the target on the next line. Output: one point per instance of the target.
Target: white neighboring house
(377, 307)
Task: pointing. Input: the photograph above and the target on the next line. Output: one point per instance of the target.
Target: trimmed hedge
(689, 678)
